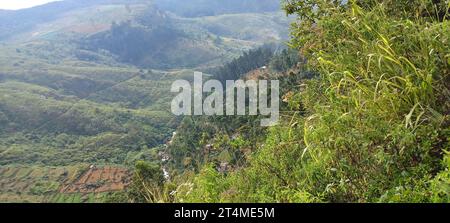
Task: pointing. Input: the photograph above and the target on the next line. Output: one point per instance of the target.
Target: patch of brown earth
(98, 180)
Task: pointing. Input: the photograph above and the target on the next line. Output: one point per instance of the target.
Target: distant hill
(196, 8)
(145, 34)
(13, 22)
(97, 73)
(154, 39)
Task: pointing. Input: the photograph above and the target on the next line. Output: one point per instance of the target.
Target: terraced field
(68, 184)
(98, 180)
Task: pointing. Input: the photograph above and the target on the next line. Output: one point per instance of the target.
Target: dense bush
(240, 66)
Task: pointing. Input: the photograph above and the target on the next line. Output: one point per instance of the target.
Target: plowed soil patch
(99, 180)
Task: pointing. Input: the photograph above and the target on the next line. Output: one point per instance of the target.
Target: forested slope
(373, 126)
(85, 88)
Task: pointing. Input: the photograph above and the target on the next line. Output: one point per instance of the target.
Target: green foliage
(440, 185)
(208, 187)
(91, 114)
(44, 187)
(249, 61)
(117, 197)
(285, 60)
(373, 128)
(147, 184)
(149, 172)
(134, 44)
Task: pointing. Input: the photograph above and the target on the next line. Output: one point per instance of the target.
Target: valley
(361, 101)
(88, 83)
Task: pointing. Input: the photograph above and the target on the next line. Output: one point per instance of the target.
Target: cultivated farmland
(66, 184)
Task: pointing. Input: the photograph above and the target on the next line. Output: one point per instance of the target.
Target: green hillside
(364, 107)
(70, 96)
(364, 115)
(198, 8)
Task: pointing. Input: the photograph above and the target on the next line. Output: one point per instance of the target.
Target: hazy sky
(20, 4)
